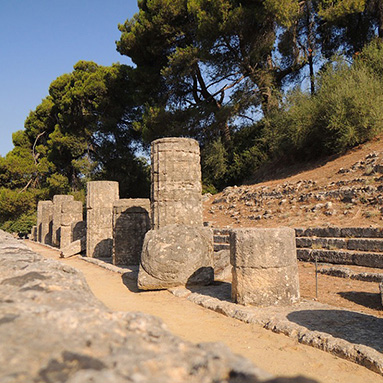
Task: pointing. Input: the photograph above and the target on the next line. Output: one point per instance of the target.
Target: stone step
(222, 231)
(356, 244)
(367, 259)
(340, 232)
(221, 246)
(221, 239)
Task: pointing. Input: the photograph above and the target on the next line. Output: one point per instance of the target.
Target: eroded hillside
(343, 191)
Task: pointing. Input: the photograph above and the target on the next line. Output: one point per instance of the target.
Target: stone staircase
(361, 246)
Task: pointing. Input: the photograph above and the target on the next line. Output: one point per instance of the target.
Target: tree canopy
(251, 80)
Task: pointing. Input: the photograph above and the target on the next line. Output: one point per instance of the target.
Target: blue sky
(42, 39)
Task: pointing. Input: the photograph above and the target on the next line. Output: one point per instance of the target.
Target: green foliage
(22, 225)
(345, 111)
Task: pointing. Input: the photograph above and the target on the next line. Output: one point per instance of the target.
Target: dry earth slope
(343, 191)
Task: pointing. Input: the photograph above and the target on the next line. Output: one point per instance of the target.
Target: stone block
(45, 221)
(74, 248)
(176, 190)
(222, 266)
(262, 248)
(65, 236)
(176, 255)
(265, 270)
(101, 196)
(130, 224)
(57, 213)
(265, 287)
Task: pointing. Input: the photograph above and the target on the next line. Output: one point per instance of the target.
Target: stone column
(57, 204)
(71, 212)
(100, 199)
(130, 224)
(176, 191)
(44, 221)
(265, 270)
(34, 233)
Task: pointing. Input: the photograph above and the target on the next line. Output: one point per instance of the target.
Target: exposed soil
(341, 191)
(275, 353)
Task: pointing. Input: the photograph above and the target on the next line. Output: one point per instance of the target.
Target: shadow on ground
(351, 326)
(370, 300)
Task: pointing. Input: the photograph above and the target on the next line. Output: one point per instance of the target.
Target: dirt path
(274, 353)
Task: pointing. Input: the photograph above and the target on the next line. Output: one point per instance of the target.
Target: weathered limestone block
(44, 221)
(57, 213)
(222, 266)
(71, 213)
(176, 191)
(101, 196)
(176, 255)
(130, 224)
(265, 268)
(74, 248)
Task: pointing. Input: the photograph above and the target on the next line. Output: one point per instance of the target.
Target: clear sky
(41, 40)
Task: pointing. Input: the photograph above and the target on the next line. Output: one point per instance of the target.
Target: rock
(265, 270)
(52, 329)
(176, 255)
(76, 247)
(222, 266)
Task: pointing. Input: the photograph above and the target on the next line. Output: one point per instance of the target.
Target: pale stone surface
(101, 196)
(265, 287)
(222, 266)
(130, 224)
(176, 182)
(76, 247)
(57, 213)
(44, 221)
(176, 255)
(265, 268)
(71, 213)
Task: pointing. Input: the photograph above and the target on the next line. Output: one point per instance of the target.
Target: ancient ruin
(131, 222)
(100, 199)
(71, 214)
(179, 250)
(176, 191)
(176, 255)
(57, 214)
(44, 222)
(265, 270)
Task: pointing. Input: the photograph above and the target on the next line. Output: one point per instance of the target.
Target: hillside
(341, 191)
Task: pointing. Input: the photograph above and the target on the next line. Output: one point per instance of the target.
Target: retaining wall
(361, 246)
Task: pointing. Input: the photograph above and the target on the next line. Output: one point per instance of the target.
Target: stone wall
(71, 215)
(361, 246)
(57, 213)
(131, 222)
(101, 196)
(44, 222)
(176, 183)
